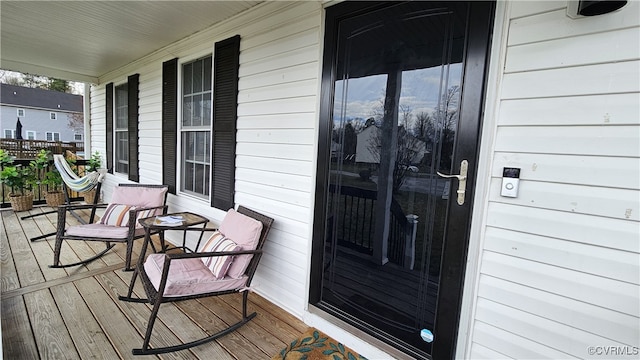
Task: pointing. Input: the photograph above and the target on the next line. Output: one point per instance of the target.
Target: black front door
(401, 109)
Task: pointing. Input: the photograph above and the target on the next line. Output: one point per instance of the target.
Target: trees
(34, 81)
(58, 85)
(446, 117)
(76, 122)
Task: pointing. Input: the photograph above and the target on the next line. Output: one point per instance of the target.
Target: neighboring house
(551, 273)
(44, 114)
(368, 147)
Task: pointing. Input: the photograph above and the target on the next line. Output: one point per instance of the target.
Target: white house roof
(84, 40)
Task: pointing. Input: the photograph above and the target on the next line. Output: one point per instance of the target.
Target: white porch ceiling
(84, 40)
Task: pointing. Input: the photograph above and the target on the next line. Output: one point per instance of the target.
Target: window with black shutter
(169, 123)
(225, 106)
(206, 130)
(122, 128)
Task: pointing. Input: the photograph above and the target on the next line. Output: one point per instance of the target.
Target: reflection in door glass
(396, 103)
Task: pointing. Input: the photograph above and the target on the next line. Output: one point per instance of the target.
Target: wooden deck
(74, 313)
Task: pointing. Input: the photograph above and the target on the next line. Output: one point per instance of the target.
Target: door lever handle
(462, 180)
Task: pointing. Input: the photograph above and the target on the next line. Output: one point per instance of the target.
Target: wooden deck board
(26, 265)
(182, 326)
(120, 332)
(88, 337)
(234, 343)
(252, 330)
(74, 312)
(52, 338)
(8, 274)
(17, 339)
(138, 315)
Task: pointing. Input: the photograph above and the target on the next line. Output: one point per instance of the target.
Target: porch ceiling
(84, 40)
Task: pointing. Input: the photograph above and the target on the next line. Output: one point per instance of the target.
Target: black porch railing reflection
(354, 220)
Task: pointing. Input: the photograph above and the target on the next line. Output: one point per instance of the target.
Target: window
(21, 112)
(206, 126)
(9, 134)
(196, 126)
(121, 113)
(121, 129)
(31, 135)
(52, 116)
(77, 137)
(53, 136)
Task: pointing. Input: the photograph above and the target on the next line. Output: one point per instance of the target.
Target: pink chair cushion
(218, 264)
(245, 232)
(101, 231)
(188, 277)
(138, 196)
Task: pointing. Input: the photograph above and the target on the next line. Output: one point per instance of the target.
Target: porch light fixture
(581, 8)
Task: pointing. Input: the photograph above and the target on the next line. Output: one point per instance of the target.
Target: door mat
(316, 345)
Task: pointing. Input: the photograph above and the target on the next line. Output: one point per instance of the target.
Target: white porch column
(86, 108)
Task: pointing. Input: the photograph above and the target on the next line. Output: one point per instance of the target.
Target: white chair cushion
(118, 215)
(188, 277)
(218, 264)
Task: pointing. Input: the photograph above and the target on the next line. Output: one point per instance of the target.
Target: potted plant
(48, 176)
(93, 164)
(19, 179)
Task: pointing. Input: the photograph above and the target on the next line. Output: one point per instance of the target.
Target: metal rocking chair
(119, 223)
(224, 265)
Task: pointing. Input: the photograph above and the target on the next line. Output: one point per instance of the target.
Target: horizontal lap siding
(277, 121)
(276, 145)
(560, 267)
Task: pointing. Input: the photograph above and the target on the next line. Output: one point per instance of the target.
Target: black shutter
(109, 129)
(169, 122)
(225, 113)
(132, 133)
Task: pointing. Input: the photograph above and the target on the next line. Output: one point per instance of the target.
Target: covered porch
(75, 313)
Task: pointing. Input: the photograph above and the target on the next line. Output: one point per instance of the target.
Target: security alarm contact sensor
(510, 182)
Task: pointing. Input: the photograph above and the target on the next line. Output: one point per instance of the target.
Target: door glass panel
(395, 115)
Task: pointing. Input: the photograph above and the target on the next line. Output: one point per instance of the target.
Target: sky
(420, 91)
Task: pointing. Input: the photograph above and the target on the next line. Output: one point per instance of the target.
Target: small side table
(189, 221)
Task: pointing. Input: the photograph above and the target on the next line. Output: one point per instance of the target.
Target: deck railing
(38, 191)
(28, 149)
(354, 223)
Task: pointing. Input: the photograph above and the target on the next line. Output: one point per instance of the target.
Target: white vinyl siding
(277, 120)
(560, 266)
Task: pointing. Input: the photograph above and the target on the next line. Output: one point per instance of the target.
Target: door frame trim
(497, 58)
(321, 175)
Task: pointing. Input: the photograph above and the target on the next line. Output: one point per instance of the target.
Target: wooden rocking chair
(225, 264)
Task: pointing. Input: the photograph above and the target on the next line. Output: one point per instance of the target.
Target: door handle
(462, 180)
